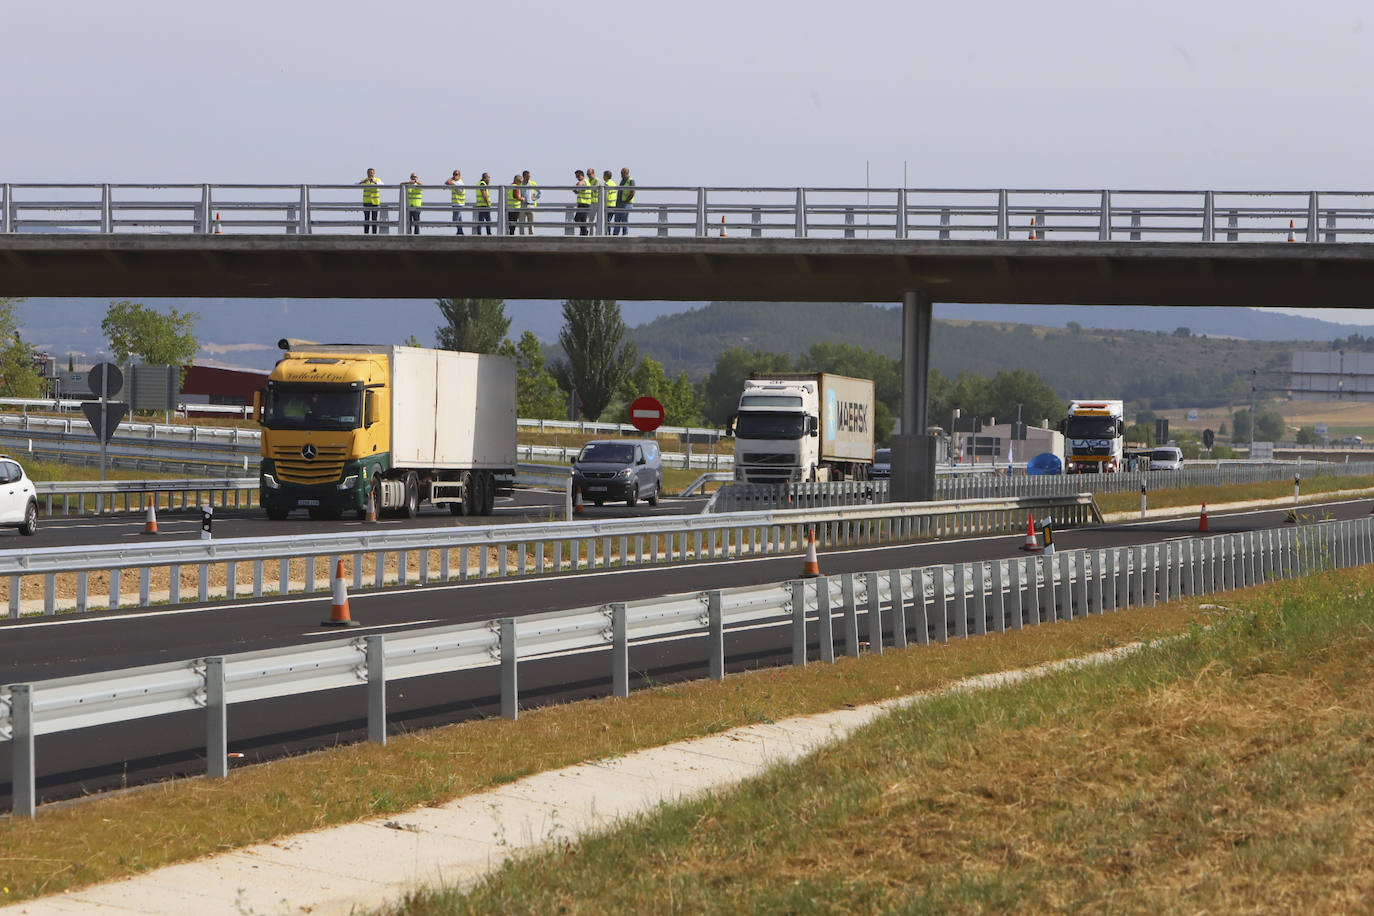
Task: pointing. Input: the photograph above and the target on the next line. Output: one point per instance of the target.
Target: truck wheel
(412, 504)
(277, 513)
(472, 494)
(488, 492)
(375, 488)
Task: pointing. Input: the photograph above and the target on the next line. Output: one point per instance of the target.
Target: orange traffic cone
(1032, 230)
(1291, 237)
(150, 523)
(812, 567)
(218, 231)
(1202, 520)
(370, 516)
(577, 501)
(338, 611)
(1031, 545)
(1049, 540)
(722, 228)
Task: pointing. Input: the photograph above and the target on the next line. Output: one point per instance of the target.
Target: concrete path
(357, 867)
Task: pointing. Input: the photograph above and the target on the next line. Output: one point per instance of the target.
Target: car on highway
(882, 464)
(18, 497)
(613, 469)
(1166, 458)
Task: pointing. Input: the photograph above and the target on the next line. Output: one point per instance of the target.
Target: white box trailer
(803, 427)
(452, 409)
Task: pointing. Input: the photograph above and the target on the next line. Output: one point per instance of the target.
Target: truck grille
(325, 468)
(768, 475)
(767, 458)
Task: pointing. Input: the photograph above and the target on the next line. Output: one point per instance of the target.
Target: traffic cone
(812, 567)
(577, 501)
(1031, 545)
(218, 231)
(1202, 520)
(722, 228)
(370, 516)
(338, 611)
(1049, 540)
(1032, 230)
(1291, 237)
(150, 523)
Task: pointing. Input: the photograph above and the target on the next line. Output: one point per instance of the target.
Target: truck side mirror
(1120, 427)
(813, 427)
(369, 409)
(730, 424)
(1062, 424)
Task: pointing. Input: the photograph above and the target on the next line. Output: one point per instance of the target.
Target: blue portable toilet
(1045, 463)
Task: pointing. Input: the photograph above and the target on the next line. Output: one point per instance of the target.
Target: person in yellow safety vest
(593, 182)
(512, 205)
(531, 201)
(584, 202)
(415, 199)
(458, 196)
(483, 204)
(625, 199)
(612, 199)
(372, 201)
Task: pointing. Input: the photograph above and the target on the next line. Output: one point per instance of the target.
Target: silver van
(628, 469)
(1166, 458)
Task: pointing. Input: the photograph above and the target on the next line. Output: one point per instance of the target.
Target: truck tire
(488, 492)
(472, 493)
(412, 503)
(375, 488)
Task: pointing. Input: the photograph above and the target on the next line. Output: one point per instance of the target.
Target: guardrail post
(825, 624)
(801, 213)
(701, 213)
(940, 606)
(894, 581)
(798, 588)
(620, 650)
(944, 224)
(961, 600)
(1312, 217)
(1232, 226)
(600, 211)
(23, 773)
(849, 222)
(106, 216)
(305, 210)
(510, 696)
(1208, 215)
(216, 720)
(875, 615)
(1003, 232)
(1049, 598)
(716, 635)
(7, 211)
(851, 615)
(205, 204)
(901, 214)
(1104, 221)
(663, 222)
(1330, 226)
(376, 689)
(1143, 498)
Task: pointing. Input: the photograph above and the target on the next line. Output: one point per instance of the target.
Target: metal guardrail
(137, 495)
(984, 485)
(737, 497)
(494, 551)
(699, 212)
(898, 606)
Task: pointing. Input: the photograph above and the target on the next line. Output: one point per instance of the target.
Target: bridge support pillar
(913, 452)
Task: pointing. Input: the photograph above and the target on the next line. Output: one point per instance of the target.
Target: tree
(538, 396)
(18, 379)
(1141, 433)
(598, 357)
(1270, 426)
(1240, 424)
(472, 325)
(1183, 332)
(681, 402)
(159, 340)
(1307, 435)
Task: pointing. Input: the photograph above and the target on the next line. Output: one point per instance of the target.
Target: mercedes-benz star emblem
(308, 452)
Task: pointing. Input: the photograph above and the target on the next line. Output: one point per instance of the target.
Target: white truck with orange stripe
(1094, 437)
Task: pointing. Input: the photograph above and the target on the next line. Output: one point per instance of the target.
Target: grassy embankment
(1231, 770)
(1216, 496)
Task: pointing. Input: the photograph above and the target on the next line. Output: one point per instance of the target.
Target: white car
(18, 498)
(1166, 458)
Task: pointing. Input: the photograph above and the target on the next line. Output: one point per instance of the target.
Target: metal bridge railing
(896, 607)
(702, 212)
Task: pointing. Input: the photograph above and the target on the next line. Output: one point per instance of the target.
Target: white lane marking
(381, 626)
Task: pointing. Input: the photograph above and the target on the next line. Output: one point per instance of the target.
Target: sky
(1177, 95)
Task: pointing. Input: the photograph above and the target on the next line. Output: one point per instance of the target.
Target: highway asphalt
(102, 758)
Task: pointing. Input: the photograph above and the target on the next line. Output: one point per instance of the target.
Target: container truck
(803, 426)
(342, 423)
(1094, 434)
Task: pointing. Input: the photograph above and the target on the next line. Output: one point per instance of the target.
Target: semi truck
(803, 427)
(348, 427)
(1094, 436)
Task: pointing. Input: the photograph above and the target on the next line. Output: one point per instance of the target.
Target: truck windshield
(770, 426)
(1090, 428)
(312, 407)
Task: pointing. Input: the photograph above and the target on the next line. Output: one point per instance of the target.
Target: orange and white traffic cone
(812, 567)
(1031, 545)
(218, 231)
(338, 611)
(1049, 540)
(722, 228)
(1202, 520)
(1291, 237)
(1032, 236)
(370, 516)
(577, 501)
(150, 522)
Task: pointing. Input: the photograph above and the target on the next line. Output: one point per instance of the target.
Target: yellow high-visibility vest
(483, 196)
(415, 196)
(372, 194)
(458, 193)
(513, 197)
(584, 193)
(610, 193)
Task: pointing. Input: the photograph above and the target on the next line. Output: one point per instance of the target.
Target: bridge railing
(897, 606)
(699, 212)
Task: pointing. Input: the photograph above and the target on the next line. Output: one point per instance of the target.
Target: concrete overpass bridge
(761, 244)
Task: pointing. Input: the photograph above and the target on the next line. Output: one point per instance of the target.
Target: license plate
(307, 502)
(596, 489)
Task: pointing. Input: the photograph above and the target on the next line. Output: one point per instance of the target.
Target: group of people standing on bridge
(521, 198)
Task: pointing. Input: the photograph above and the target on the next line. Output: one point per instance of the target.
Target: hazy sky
(1256, 95)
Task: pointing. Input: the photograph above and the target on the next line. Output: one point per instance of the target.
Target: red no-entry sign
(646, 414)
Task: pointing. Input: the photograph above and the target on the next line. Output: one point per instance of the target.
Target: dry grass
(119, 835)
(1219, 496)
(1231, 771)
